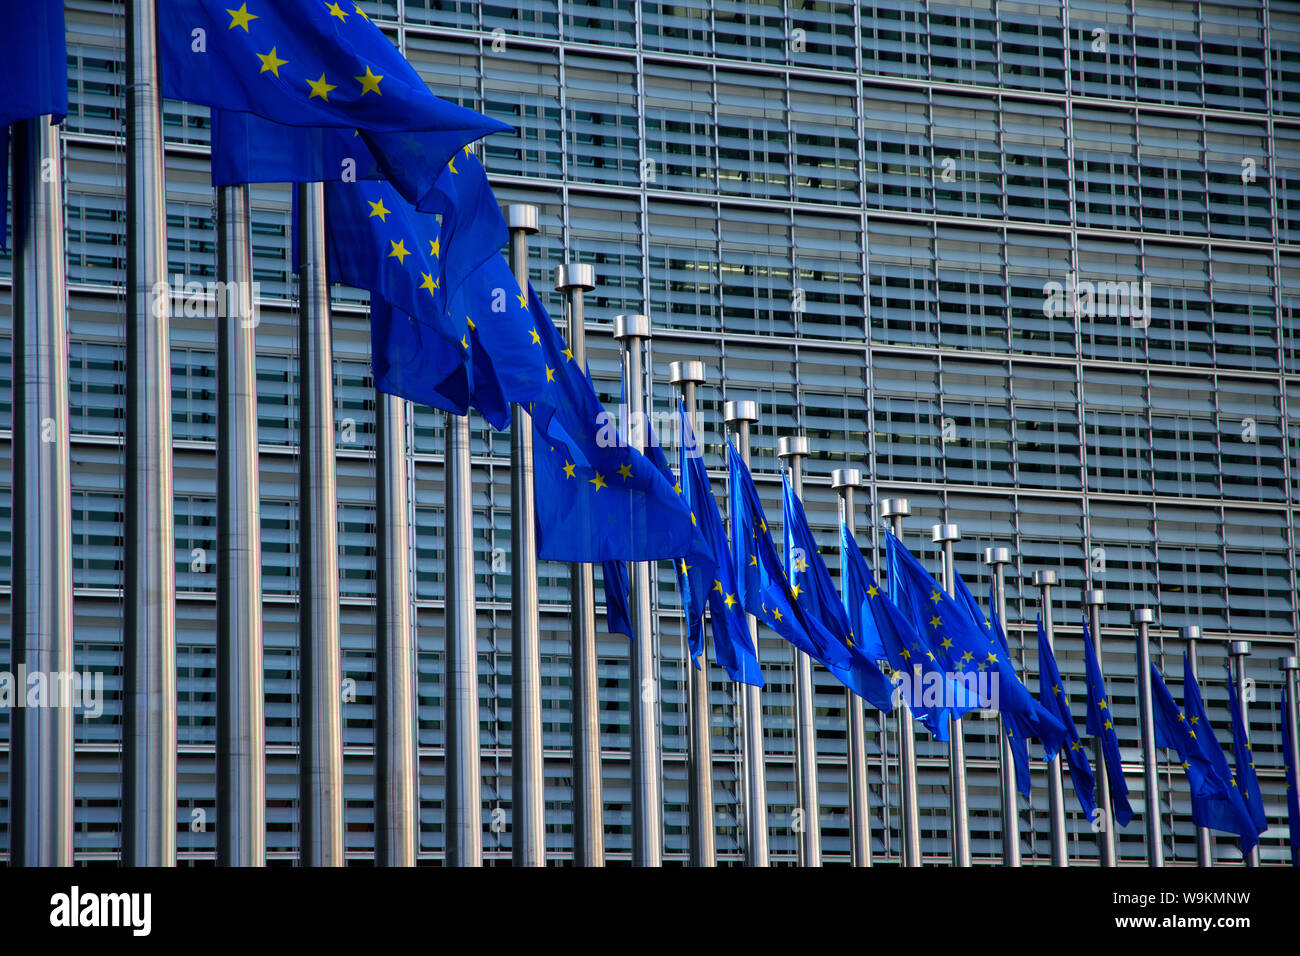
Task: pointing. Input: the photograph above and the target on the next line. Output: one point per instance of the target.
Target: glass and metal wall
(853, 213)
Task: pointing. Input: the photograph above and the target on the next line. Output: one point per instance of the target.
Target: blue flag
(1100, 724)
(1015, 731)
(1292, 791)
(1228, 812)
(764, 590)
(1051, 693)
(411, 361)
(618, 616)
(1246, 780)
(965, 650)
(814, 594)
(303, 63)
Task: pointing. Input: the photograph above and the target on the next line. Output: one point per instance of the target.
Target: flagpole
(686, 375)
(998, 559)
(1290, 667)
(241, 701)
(895, 510)
(319, 656)
(574, 280)
(739, 416)
(1106, 835)
(1239, 651)
(1204, 841)
(149, 581)
(396, 776)
(41, 738)
(1045, 580)
(946, 534)
(1142, 618)
(528, 772)
(793, 449)
(647, 768)
(844, 480)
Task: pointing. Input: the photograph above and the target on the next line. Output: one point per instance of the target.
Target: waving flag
(1246, 780)
(1292, 791)
(1051, 692)
(618, 615)
(1101, 725)
(1014, 730)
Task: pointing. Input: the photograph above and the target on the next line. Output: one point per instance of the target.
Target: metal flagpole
(686, 375)
(1239, 651)
(945, 535)
(844, 480)
(319, 657)
(528, 772)
(998, 559)
(739, 416)
(1290, 667)
(793, 449)
(1045, 580)
(647, 784)
(1204, 841)
(396, 766)
(575, 279)
(895, 510)
(1142, 618)
(1106, 835)
(41, 738)
(241, 702)
(149, 582)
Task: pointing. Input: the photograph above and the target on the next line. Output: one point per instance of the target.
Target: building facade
(1034, 267)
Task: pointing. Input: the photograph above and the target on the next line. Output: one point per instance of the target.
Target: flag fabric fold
(618, 615)
(1014, 730)
(1100, 724)
(1246, 779)
(1052, 695)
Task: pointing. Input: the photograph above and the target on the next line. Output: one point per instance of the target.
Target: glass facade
(854, 213)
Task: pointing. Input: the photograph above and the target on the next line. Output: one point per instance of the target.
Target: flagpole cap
(1095, 598)
(1142, 615)
(1291, 663)
(792, 446)
(1045, 579)
(744, 411)
(942, 533)
(846, 478)
(631, 327)
(575, 275)
(1192, 632)
(997, 555)
(521, 217)
(1239, 648)
(684, 373)
(895, 508)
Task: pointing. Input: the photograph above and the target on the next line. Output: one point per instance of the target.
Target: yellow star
(717, 585)
(1076, 745)
(800, 565)
(369, 82)
(568, 469)
(934, 596)
(568, 354)
(363, 13)
(400, 252)
(271, 62)
(936, 621)
(693, 522)
(523, 302)
(598, 481)
(967, 657)
(451, 164)
(434, 248)
(320, 88)
(729, 600)
(946, 643)
(873, 591)
(464, 344)
(378, 209)
(470, 322)
(537, 339)
(753, 560)
(431, 284)
(1101, 704)
(993, 658)
(336, 12)
(625, 471)
(1108, 725)
(550, 374)
(796, 590)
(686, 568)
(907, 655)
(241, 17)
(1056, 689)
(776, 613)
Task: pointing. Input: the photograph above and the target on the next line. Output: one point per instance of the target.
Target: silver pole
(528, 770)
(41, 738)
(396, 766)
(998, 559)
(1204, 841)
(1290, 667)
(574, 280)
(844, 480)
(319, 657)
(647, 783)
(1045, 580)
(149, 620)
(945, 535)
(895, 510)
(241, 701)
(1106, 836)
(686, 375)
(1239, 651)
(739, 416)
(794, 449)
(1142, 618)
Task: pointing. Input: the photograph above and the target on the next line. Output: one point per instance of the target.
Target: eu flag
(764, 590)
(618, 615)
(304, 63)
(411, 361)
(1015, 731)
(1100, 724)
(1247, 781)
(814, 594)
(1052, 695)
(1292, 791)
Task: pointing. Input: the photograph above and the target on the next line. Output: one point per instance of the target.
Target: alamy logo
(75, 909)
(69, 689)
(1105, 299)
